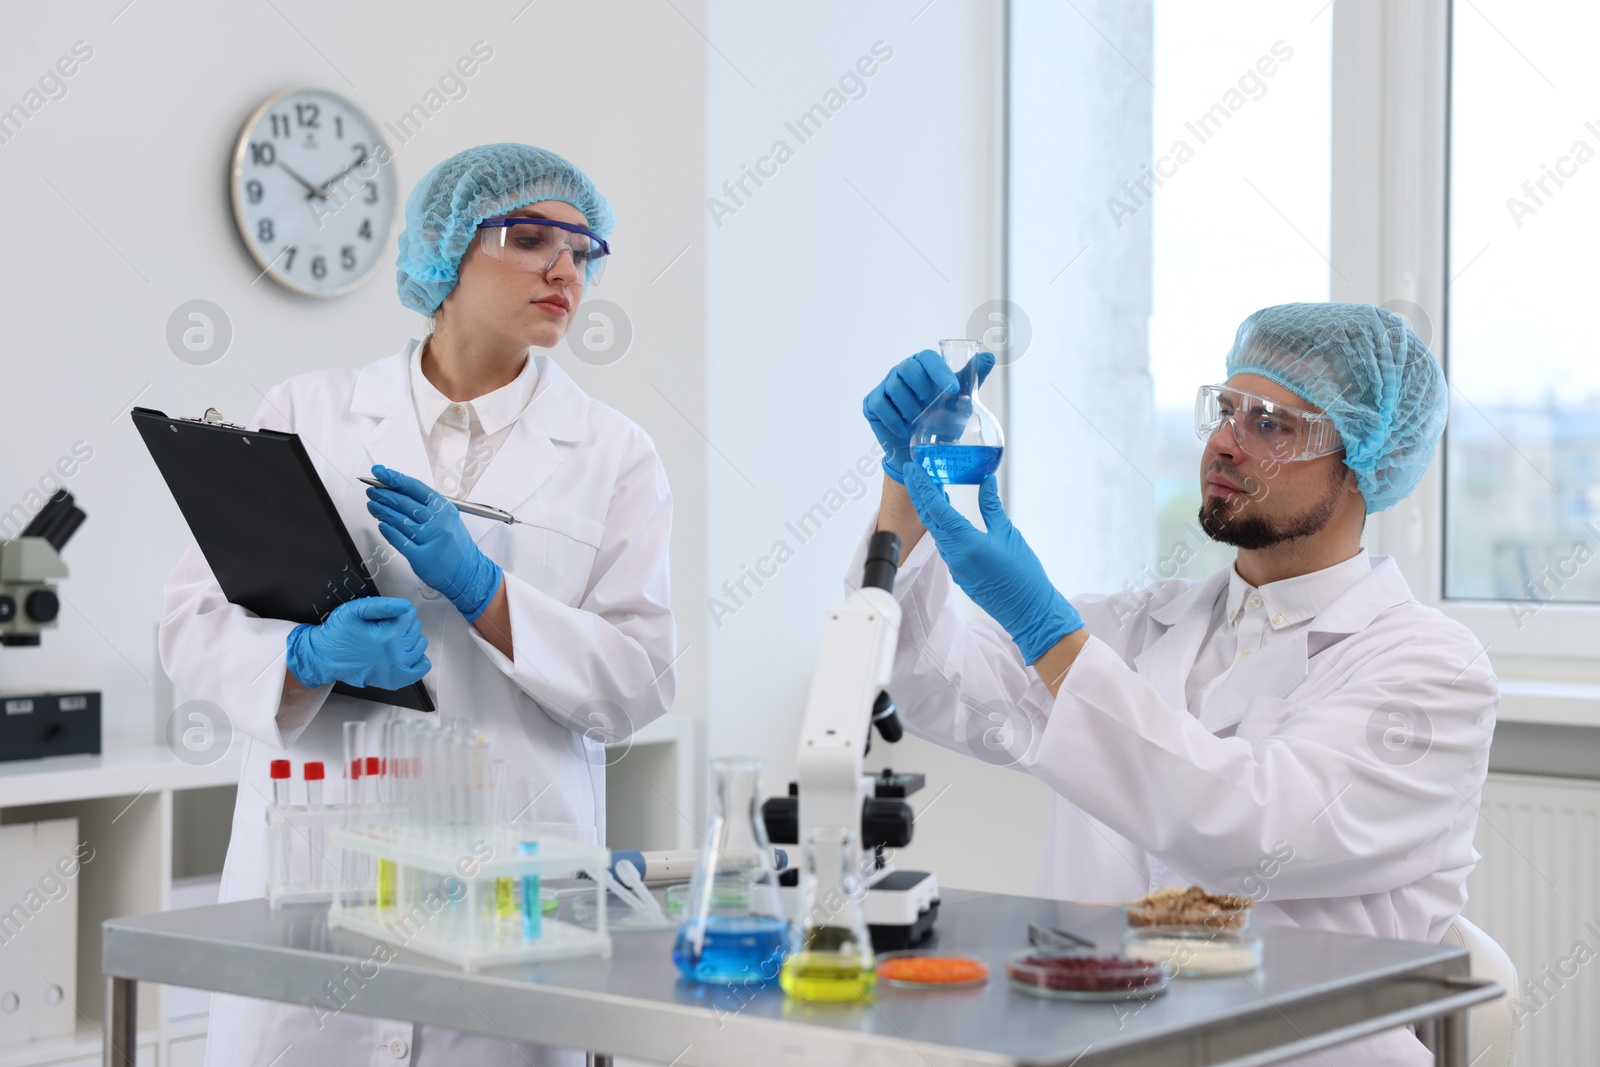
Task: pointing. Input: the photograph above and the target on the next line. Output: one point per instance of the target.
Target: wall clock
(313, 189)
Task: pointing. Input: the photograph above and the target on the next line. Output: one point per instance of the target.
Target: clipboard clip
(213, 417)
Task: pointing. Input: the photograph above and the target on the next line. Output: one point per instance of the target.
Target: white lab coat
(593, 637)
(1296, 753)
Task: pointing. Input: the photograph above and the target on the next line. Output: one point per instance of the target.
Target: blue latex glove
(904, 394)
(996, 568)
(427, 530)
(376, 640)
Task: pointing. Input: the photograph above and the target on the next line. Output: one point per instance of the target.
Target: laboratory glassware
(957, 440)
(734, 928)
(830, 957)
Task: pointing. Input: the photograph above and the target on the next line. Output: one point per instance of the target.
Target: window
(1522, 473)
(1169, 173)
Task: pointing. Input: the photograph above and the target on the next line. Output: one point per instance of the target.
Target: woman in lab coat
(1295, 728)
(552, 636)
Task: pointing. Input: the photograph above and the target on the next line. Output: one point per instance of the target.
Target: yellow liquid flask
(831, 956)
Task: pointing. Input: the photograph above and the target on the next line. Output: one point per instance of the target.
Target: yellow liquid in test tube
(385, 883)
(505, 902)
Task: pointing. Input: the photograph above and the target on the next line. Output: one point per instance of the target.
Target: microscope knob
(886, 822)
(782, 816)
(8, 608)
(42, 605)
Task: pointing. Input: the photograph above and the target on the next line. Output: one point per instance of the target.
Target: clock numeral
(347, 257)
(306, 115)
(319, 267)
(288, 257)
(264, 230)
(338, 127)
(280, 125)
(263, 154)
(372, 192)
(366, 229)
(252, 191)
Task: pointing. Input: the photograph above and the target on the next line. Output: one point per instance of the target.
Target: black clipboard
(265, 523)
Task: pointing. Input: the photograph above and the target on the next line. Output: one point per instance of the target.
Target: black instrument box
(33, 725)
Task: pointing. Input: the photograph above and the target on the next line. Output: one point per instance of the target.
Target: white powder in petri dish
(1195, 956)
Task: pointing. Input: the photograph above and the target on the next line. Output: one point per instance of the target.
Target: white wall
(878, 237)
(751, 352)
(140, 146)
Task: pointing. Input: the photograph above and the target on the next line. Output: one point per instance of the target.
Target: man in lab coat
(1295, 728)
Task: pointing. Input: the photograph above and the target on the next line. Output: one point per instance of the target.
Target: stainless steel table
(1314, 990)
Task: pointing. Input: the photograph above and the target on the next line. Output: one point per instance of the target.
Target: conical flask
(830, 957)
(957, 440)
(734, 928)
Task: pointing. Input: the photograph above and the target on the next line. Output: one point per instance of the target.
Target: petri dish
(1194, 953)
(1193, 907)
(925, 971)
(1085, 975)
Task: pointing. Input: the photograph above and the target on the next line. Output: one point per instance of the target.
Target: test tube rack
(447, 894)
(304, 867)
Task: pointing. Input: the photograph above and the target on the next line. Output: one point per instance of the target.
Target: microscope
(848, 699)
(54, 723)
(28, 601)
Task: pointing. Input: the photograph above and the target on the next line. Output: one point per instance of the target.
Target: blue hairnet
(1365, 367)
(445, 207)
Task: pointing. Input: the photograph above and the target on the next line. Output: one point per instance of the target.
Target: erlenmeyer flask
(734, 929)
(957, 440)
(831, 956)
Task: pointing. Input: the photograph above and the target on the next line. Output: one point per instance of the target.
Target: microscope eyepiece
(883, 559)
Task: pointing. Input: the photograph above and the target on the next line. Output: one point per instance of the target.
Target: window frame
(1390, 190)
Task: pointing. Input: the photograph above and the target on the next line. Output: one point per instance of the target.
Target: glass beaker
(957, 440)
(831, 956)
(734, 929)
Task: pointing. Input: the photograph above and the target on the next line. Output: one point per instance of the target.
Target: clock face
(313, 190)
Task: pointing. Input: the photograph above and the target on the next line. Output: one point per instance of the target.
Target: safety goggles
(535, 245)
(1265, 429)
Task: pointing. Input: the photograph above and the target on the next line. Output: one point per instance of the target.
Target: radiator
(1537, 892)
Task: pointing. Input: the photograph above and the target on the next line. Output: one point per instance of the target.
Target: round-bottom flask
(957, 440)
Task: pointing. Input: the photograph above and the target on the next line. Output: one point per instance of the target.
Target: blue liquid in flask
(735, 949)
(958, 464)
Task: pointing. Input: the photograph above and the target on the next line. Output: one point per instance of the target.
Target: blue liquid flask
(957, 440)
(734, 928)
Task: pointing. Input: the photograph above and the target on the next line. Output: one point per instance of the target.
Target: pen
(482, 510)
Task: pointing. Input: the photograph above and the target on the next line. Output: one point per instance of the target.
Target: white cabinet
(131, 804)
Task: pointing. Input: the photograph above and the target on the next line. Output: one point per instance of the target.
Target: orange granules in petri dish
(932, 970)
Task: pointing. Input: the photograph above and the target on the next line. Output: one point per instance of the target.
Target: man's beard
(1254, 531)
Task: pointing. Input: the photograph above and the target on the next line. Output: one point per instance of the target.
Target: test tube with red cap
(355, 749)
(280, 771)
(314, 773)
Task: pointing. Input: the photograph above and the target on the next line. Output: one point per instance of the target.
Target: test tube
(505, 903)
(313, 772)
(525, 826)
(355, 747)
(385, 790)
(280, 771)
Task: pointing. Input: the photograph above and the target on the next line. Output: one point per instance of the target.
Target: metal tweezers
(1048, 937)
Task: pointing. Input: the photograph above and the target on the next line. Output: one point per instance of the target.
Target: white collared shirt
(462, 437)
(1248, 618)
